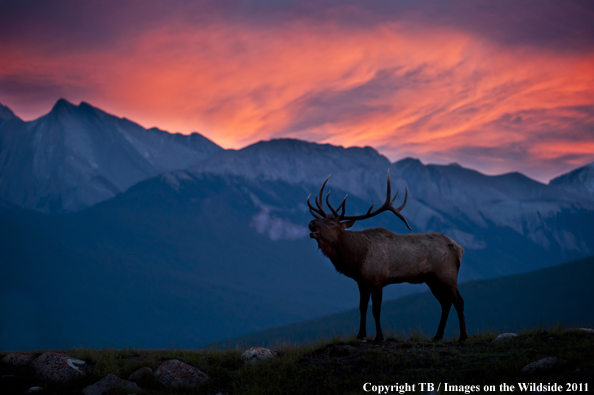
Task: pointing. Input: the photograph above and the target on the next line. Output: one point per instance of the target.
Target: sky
(497, 86)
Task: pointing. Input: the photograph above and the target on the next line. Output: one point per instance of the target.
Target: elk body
(377, 257)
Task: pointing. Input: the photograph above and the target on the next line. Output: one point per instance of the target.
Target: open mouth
(313, 235)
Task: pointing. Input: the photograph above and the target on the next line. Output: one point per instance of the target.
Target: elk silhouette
(376, 257)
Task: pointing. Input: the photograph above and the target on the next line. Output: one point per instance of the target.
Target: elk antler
(319, 212)
(387, 206)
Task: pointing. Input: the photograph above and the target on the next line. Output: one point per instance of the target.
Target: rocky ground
(339, 366)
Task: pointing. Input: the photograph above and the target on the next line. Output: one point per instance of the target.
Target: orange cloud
(440, 94)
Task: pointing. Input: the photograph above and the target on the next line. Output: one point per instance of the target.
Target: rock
(587, 331)
(109, 383)
(255, 354)
(174, 373)
(140, 374)
(57, 367)
(504, 337)
(542, 364)
(17, 359)
(33, 390)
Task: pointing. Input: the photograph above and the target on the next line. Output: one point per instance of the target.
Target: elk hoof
(436, 339)
(378, 340)
(462, 339)
(361, 336)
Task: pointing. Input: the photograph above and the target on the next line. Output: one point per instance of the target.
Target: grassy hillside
(341, 366)
(560, 294)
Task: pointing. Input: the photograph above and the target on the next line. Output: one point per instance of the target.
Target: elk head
(327, 228)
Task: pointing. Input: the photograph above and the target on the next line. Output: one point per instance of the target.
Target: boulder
(20, 359)
(140, 374)
(109, 383)
(174, 373)
(542, 365)
(586, 331)
(255, 354)
(57, 367)
(504, 337)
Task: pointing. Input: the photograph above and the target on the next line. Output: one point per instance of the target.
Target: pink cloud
(443, 91)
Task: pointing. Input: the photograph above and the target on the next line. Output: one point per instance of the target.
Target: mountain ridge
(6, 114)
(296, 161)
(143, 153)
(76, 156)
(580, 180)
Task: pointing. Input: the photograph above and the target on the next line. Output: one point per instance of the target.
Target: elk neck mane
(347, 252)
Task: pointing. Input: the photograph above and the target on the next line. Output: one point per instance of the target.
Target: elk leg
(376, 298)
(459, 305)
(364, 295)
(446, 305)
(444, 297)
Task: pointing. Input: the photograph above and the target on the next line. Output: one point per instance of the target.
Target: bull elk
(376, 257)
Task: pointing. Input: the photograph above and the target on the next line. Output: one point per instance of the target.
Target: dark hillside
(561, 294)
(147, 260)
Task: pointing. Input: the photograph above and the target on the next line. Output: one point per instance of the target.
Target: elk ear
(348, 224)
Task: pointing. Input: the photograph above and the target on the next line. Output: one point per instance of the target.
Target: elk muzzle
(313, 226)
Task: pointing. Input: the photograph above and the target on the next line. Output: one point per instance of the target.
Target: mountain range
(77, 156)
(181, 242)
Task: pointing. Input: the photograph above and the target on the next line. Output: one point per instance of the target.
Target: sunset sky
(497, 86)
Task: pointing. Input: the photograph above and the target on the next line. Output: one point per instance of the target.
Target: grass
(343, 365)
